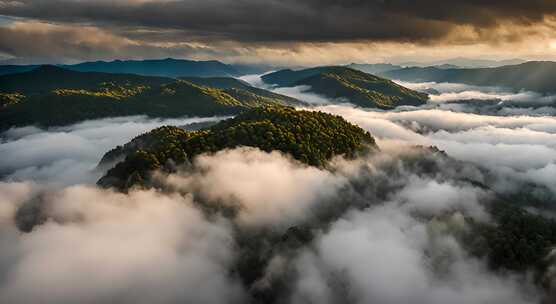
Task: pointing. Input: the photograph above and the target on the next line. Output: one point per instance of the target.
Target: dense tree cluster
(112, 91)
(8, 99)
(518, 240)
(310, 137)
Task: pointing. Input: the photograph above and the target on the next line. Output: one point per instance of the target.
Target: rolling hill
(305, 135)
(348, 85)
(51, 96)
(535, 76)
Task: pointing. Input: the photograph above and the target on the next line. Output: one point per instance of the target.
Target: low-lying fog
(151, 246)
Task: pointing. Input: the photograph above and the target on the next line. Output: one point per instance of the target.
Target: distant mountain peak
(49, 68)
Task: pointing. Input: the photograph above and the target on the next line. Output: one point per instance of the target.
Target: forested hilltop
(310, 137)
(349, 85)
(50, 96)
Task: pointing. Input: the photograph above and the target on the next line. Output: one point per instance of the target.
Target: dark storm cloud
(289, 20)
(47, 42)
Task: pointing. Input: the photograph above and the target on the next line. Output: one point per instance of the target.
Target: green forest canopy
(310, 137)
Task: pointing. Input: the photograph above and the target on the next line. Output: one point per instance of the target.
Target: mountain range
(50, 96)
(157, 67)
(535, 76)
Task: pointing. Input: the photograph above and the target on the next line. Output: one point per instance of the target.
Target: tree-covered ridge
(310, 137)
(159, 139)
(50, 96)
(67, 106)
(288, 77)
(117, 92)
(183, 89)
(241, 90)
(351, 85)
(363, 89)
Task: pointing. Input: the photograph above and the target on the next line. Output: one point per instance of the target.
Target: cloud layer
(71, 153)
(284, 32)
(138, 248)
(149, 246)
(516, 149)
(293, 20)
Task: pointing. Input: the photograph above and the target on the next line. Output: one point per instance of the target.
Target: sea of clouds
(383, 231)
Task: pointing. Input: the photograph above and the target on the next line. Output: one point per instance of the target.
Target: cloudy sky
(276, 31)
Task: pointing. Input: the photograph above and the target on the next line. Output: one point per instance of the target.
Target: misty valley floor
(382, 230)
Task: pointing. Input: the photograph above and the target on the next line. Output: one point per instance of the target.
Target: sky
(279, 32)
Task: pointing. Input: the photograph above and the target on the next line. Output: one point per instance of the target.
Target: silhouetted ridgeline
(155, 67)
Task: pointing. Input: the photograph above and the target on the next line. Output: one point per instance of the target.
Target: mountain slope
(305, 135)
(535, 76)
(351, 85)
(243, 91)
(50, 96)
(218, 82)
(67, 106)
